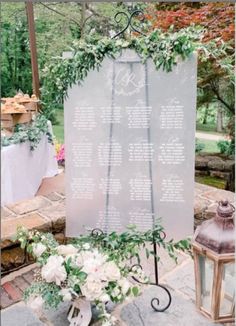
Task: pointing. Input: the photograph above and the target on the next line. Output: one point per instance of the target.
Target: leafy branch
(164, 49)
(32, 132)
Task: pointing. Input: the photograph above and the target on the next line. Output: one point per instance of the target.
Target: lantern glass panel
(227, 295)
(207, 275)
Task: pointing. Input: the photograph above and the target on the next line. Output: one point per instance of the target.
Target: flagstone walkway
(179, 279)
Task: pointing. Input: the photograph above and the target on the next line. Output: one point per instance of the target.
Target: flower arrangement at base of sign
(69, 272)
(93, 268)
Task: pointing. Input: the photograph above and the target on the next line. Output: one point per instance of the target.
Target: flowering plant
(60, 153)
(94, 266)
(71, 271)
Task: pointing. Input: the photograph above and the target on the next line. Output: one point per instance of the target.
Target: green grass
(210, 146)
(211, 181)
(58, 129)
(211, 127)
(208, 128)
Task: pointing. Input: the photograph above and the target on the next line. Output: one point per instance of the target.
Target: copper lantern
(214, 262)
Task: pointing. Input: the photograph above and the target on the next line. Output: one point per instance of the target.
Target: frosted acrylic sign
(130, 139)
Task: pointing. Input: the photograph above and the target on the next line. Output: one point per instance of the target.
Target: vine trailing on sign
(32, 132)
(165, 49)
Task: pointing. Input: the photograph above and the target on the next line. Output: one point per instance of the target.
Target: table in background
(22, 170)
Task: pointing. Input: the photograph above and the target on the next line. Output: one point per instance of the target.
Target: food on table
(18, 97)
(14, 107)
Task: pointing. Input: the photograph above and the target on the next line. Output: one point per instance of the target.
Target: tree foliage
(59, 24)
(216, 74)
(216, 18)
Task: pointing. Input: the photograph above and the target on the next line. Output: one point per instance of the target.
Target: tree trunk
(219, 125)
(83, 13)
(204, 122)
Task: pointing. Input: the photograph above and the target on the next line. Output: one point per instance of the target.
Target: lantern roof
(218, 233)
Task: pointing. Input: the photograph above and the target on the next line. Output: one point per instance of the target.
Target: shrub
(199, 146)
(226, 147)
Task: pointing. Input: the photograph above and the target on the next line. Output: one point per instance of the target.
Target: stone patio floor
(138, 312)
(179, 279)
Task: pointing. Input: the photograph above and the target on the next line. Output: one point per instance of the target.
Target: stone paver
(54, 196)
(57, 216)
(30, 221)
(5, 300)
(27, 206)
(12, 291)
(19, 315)
(181, 312)
(220, 195)
(165, 264)
(12, 288)
(50, 185)
(5, 212)
(182, 279)
(58, 317)
(21, 283)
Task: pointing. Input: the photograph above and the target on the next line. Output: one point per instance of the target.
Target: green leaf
(135, 291)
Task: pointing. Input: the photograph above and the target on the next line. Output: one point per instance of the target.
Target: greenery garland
(32, 132)
(163, 48)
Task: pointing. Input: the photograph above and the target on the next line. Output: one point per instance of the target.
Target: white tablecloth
(22, 170)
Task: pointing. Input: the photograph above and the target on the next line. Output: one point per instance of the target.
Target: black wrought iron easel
(155, 302)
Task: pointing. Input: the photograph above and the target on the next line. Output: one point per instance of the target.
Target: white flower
(115, 292)
(38, 249)
(66, 294)
(92, 289)
(35, 303)
(86, 246)
(65, 250)
(111, 271)
(125, 285)
(92, 261)
(54, 271)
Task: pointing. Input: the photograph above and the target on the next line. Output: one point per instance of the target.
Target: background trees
(59, 24)
(216, 75)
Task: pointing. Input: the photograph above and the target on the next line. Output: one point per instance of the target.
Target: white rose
(54, 271)
(83, 256)
(91, 266)
(115, 292)
(111, 271)
(38, 249)
(125, 285)
(92, 262)
(92, 289)
(66, 294)
(35, 303)
(65, 250)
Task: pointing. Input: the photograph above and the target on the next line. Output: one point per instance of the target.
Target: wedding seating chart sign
(130, 143)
